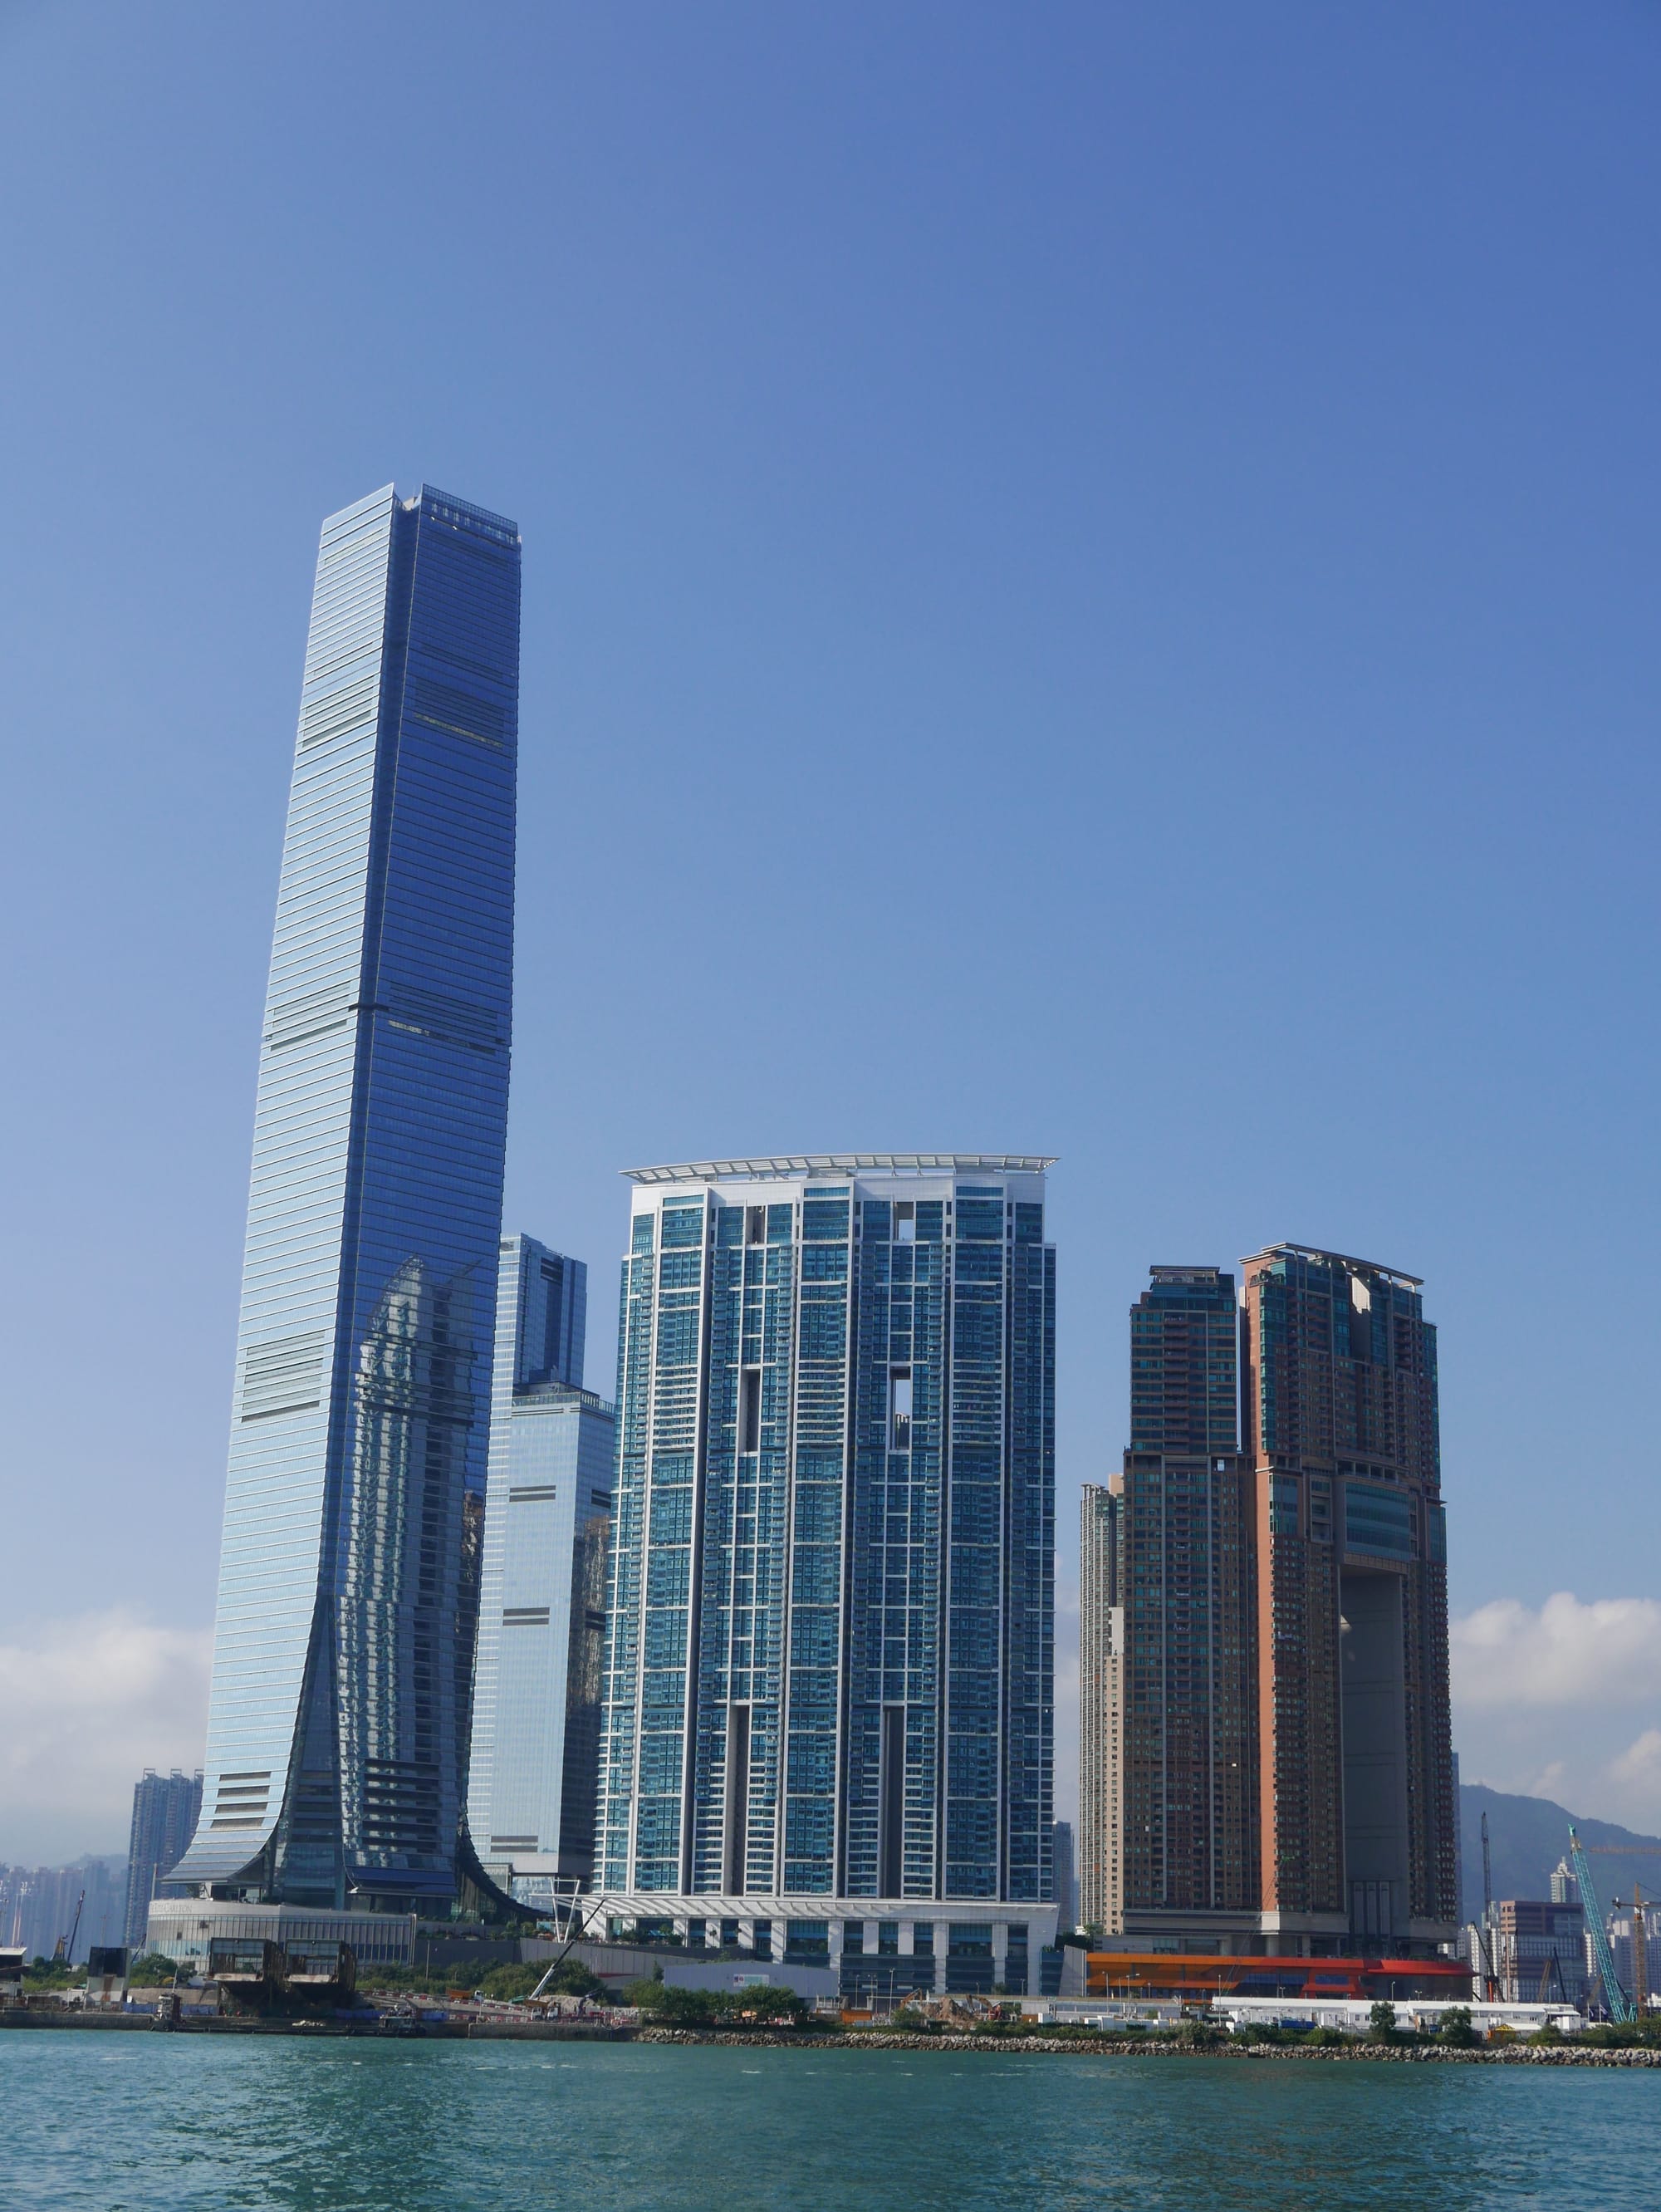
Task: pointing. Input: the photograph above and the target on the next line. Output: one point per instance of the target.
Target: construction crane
(65, 1945)
(1620, 2005)
(1640, 1971)
(578, 1916)
(1484, 1934)
(1641, 1964)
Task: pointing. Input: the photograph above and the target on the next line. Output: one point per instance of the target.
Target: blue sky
(1089, 585)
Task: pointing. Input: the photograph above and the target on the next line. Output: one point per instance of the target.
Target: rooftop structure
(835, 1163)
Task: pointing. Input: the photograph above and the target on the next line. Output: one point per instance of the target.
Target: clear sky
(1090, 586)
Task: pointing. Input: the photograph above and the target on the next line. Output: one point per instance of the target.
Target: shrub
(645, 1993)
(1382, 2023)
(766, 2002)
(152, 1970)
(1456, 2028)
(572, 1978)
(1611, 2037)
(678, 2007)
(52, 1974)
(510, 1982)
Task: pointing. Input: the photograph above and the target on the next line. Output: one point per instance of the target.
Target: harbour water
(186, 2123)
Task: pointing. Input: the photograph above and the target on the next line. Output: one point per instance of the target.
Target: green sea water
(147, 2123)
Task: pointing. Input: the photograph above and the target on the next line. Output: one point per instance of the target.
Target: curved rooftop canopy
(789, 1164)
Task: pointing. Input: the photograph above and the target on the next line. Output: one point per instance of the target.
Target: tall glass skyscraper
(830, 1662)
(338, 1722)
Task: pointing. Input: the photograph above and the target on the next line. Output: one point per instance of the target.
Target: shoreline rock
(1079, 2046)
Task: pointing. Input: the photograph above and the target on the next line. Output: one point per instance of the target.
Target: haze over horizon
(1089, 588)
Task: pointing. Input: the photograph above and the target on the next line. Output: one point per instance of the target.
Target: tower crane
(64, 1949)
(1614, 1996)
(1485, 1933)
(1640, 1968)
(1640, 1971)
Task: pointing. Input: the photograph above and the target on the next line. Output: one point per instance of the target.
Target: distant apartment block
(83, 1905)
(166, 1808)
(535, 1766)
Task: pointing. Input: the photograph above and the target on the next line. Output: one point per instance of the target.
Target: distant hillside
(1527, 1836)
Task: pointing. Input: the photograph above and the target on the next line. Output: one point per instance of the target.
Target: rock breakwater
(996, 2046)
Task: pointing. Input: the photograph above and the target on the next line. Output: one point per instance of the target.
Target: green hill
(1527, 1836)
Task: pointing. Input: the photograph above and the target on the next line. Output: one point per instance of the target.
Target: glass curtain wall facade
(829, 1670)
(534, 1773)
(1066, 1889)
(338, 1717)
